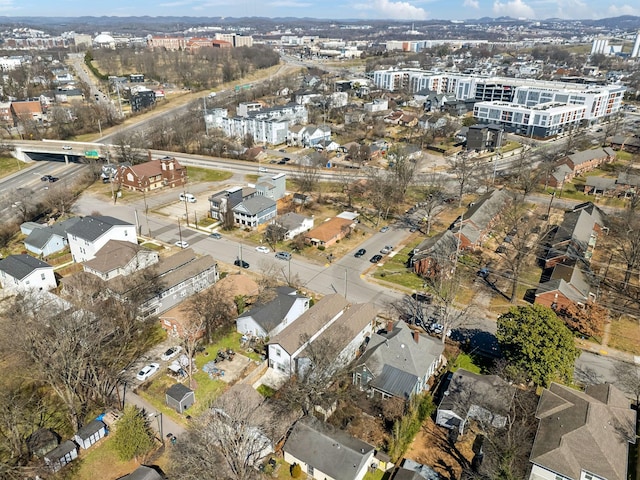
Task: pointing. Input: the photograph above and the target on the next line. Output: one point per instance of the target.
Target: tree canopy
(133, 437)
(536, 342)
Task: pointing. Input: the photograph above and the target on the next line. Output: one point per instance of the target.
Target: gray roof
(178, 391)
(255, 205)
(39, 237)
(269, 315)
(571, 279)
(143, 473)
(601, 183)
(291, 220)
(310, 322)
(93, 227)
(22, 265)
(90, 428)
(115, 254)
(578, 225)
(588, 431)
(389, 354)
(587, 155)
(627, 179)
(423, 471)
(439, 247)
(61, 450)
(329, 450)
(479, 216)
(560, 172)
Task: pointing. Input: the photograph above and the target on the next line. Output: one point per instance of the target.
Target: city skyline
(328, 9)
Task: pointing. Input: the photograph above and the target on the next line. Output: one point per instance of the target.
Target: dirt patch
(431, 447)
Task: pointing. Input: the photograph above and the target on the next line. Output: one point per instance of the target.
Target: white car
(67, 147)
(147, 371)
(263, 249)
(170, 353)
(182, 244)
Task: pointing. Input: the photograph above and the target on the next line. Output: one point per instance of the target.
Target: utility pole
(206, 126)
(179, 231)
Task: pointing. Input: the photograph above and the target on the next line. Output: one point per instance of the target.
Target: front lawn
(625, 335)
(394, 270)
(10, 165)
(198, 174)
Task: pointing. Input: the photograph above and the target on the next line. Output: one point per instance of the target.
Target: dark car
(53, 179)
(360, 253)
(422, 297)
(240, 263)
(376, 258)
(216, 235)
(45, 178)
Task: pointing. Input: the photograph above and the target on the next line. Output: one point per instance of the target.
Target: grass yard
(395, 270)
(197, 174)
(10, 165)
(625, 335)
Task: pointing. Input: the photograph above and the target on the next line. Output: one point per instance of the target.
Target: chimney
(416, 336)
(389, 325)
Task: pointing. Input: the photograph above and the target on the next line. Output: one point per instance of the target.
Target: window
(42, 276)
(310, 470)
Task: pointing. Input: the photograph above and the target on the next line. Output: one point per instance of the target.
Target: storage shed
(180, 397)
(90, 434)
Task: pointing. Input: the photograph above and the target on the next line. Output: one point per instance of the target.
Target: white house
(294, 223)
(269, 319)
(46, 240)
(24, 272)
(92, 233)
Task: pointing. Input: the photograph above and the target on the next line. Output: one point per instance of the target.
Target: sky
(328, 9)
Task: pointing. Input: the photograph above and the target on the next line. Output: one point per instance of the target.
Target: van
(187, 197)
(283, 256)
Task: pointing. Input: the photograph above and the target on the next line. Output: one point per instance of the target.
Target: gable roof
(22, 265)
(26, 107)
(467, 389)
(481, 213)
(291, 220)
(255, 205)
(39, 237)
(91, 227)
(310, 322)
(397, 361)
(90, 428)
(329, 229)
(269, 315)
(60, 451)
(114, 254)
(587, 155)
(329, 450)
(178, 391)
(143, 473)
(587, 431)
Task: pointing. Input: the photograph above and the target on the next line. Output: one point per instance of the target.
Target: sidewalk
(604, 350)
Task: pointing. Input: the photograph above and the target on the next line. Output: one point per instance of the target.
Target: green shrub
(321, 248)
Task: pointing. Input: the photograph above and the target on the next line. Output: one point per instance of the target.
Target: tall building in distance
(600, 45)
(635, 52)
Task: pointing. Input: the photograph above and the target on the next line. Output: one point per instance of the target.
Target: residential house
(582, 435)
(152, 175)
(432, 122)
(294, 224)
(272, 186)
(5, 113)
(179, 397)
(398, 362)
(587, 160)
(434, 255)
(411, 470)
(599, 185)
(377, 105)
(90, 434)
(560, 174)
(63, 454)
(471, 396)
(326, 453)
(475, 225)
(120, 258)
(329, 232)
(458, 108)
(327, 146)
(430, 100)
(177, 318)
(143, 473)
(255, 211)
(42, 441)
(47, 240)
(87, 236)
(19, 273)
(485, 137)
(568, 283)
(309, 135)
(142, 99)
(270, 318)
(627, 184)
(626, 143)
(177, 278)
(26, 111)
(221, 202)
(350, 324)
(398, 117)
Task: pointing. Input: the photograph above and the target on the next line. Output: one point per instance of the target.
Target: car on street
(386, 249)
(422, 297)
(216, 235)
(240, 263)
(53, 179)
(147, 371)
(170, 353)
(282, 150)
(67, 147)
(182, 244)
(375, 258)
(262, 170)
(263, 249)
(45, 178)
(360, 253)
(384, 229)
(283, 256)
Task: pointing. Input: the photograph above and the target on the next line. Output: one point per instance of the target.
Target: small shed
(64, 453)
(42, 441)
(143, 473)
(180, 397)
(90, 434)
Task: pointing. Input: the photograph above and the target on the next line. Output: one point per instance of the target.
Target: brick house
(329, 232)
(152, 175)
(476, 223)
(587, 160)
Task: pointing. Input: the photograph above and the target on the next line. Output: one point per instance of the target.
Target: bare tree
(446, 287)
(308, 177)
(628, 377)
(59, 198)
(463, 167)
(403, 169)
(215, 308)
(625, 229)
(433, 195)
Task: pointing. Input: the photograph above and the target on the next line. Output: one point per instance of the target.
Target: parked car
(384, 229)
(67, 147)
(283, 256)
(182, 244)
(170, 353)
(422, 297)
(437, 329)
(376, 258)
(147, 371)
(187, 197)
(360, 253)
(262, 170)
(216, 235)
(263, 249)
(240, 263)
(282, 150)
(386, 249)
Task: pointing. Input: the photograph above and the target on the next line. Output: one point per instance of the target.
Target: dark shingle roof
(269, 315)
(61, 450)
(19, 266)
(255, 205)
(93, 227)
(39, 237)
(90, 428)
(329, 450)
(143, 473)
(178, 391)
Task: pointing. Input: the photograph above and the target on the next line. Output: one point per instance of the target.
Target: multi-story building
(265, 125)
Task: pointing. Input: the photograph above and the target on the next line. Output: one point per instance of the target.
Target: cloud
(568, 9)
(471, 4)
(288, 3)
(513, 8)
(394, 10)
(615, 11)
(179, 3)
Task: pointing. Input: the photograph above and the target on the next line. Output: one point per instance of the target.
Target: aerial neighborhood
(291, 248)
